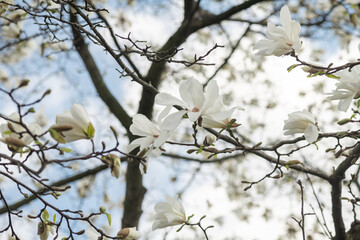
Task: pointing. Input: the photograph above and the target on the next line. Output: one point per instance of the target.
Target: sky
(205, 196)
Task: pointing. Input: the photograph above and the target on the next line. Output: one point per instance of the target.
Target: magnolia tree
(174, 111)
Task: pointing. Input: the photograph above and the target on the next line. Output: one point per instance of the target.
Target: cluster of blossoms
(204, 107)
(71, 125)
(284, 40)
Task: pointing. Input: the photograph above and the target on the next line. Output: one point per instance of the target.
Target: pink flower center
(195, 109)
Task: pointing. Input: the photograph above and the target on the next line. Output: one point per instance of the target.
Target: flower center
(195, 109)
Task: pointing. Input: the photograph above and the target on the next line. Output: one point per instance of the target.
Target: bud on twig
(209, 140)
(24, 83)
(15, 142)
(62, 127)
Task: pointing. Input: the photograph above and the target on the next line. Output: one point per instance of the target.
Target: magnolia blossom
(209, 140)
(169, 213)
(195, 103)
(347, 88)
(152, 138)
(129, 234)
(10, 132)
(11, 31)
(5, 5)
(302, 122)
(280, 39)
(78, 119)
(114, 163)
(44, 230)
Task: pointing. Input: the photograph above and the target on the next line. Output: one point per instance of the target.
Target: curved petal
(161, 139)
(191, 91)
(172, 121)
(166, 99)
(285, 18)
(211, 95)
(142, 126)
(163, 113)
(79, 114)
(193, 116)
(344, 104)
(311, 133)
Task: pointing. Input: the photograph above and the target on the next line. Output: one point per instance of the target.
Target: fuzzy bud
(209, 140)
(129, 234)
(15, 142)
(62, 127)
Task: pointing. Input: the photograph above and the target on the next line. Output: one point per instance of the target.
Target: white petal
(163, 113)
(172, 121)
(161, 139)
(191, 92)
(142, 126)
(193, 116)
(211, 95)
(311, 133)
(79, 114)
(166, 99)
(285, 17)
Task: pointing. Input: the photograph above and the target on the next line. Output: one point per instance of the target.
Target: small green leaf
(292, 162)
(45, 214)
(108, 218)
(340, 134)
(90, 131)
(287, 167)
(54, 218)
(67, 150)
(7, 132)
(179, 229)
(102, 210)
(56, 136)
(189, 217)
(329, 75)
(344, 121)
(200, 150)
(316, 74)
(289, 69)
(114, 131)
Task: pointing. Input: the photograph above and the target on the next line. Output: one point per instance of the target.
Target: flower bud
(24, 83)
(62, 127)
(44, 230)
(102, 209)
(209, 140)
(15, 142)
(115, 166)
(129, 234)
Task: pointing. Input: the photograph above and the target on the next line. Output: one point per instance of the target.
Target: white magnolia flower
(4, 5)
(11, 31)
(169, 213)
(209, 139)
(44, 230)
(280, 39)
(78, 118)
(116, 168)
(302, 122)
(195, 103)
(11, 135)
(152, 138)
(129, 234)
(347, 88)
